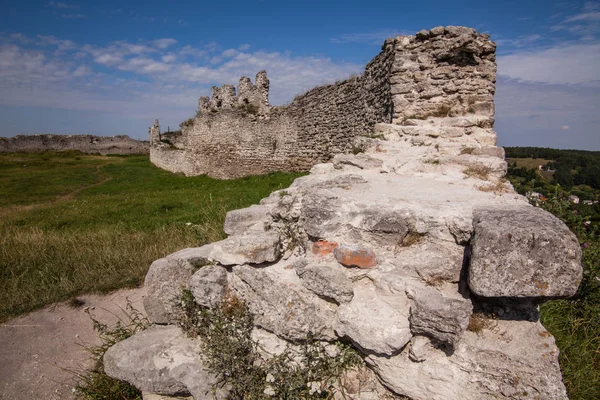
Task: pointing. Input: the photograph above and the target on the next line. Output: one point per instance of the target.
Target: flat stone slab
(523, 252)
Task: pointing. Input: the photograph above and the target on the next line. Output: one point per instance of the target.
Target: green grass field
(72, 223)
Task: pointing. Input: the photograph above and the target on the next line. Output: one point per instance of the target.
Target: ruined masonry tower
(440, 80)
(225, 97)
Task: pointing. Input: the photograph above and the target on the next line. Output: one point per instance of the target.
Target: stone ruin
(445, 72)
(417, 251)
(90, 144)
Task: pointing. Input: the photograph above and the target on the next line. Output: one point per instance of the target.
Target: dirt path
(35, 349)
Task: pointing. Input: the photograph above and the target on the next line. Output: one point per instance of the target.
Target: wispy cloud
(521, 41)
(72, 16)
(164, 43)
(62, 5)
(585, 24)
(532, 114)
(169, 80)
(561, 64)
(376, 37)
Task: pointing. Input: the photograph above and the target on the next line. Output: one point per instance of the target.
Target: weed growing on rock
(95, 384)
(305, 371)
(497, 188)
(358, 149)
(411, 238)
(478, 171)
(478, 322)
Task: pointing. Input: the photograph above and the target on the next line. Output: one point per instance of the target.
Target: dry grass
(479, 321)
(497, 188)
(478, 171)
(411, 238)
(434, 280)
(41, 267)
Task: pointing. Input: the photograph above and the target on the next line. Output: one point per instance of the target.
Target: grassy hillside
(72, 223)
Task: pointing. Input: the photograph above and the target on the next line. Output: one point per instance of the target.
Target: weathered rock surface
(373, 322)
(437, 316)
(167, 278)
(241, 221)
(281, 308)
(328, 281)
(514, 360)
(524, 252)
(252, 248)
(163, 361)
(209, 285)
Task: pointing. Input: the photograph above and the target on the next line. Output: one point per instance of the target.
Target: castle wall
(85, 143)
(415, 80)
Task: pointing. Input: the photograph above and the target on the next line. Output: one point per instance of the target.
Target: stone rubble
(437, 235)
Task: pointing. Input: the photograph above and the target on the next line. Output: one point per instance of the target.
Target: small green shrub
(305, 372)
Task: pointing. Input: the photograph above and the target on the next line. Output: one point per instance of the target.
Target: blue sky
(111, 67)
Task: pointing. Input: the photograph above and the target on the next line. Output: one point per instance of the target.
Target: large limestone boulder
(373, 322)
(167, 278)
(523, 252)
(209, 285)
(291, 312)
(439, 316)
(163, 361)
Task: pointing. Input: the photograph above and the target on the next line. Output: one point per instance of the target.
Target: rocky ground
(40, 350)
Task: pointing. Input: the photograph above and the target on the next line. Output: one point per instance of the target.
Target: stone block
(523, 252)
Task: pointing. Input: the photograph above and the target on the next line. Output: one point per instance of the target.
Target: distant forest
(571, 167)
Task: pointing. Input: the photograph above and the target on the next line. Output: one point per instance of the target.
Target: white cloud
(562, 64)
(229, 53)
(244, 47)
(585, 25)
(191, 51)
(521, 41)
(163, 83)
(589, 16)
(164, 43)
(82, 71)
(108, 59)
(54, 41)
(534, 114)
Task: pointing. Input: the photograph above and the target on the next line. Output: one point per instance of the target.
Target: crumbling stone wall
(85, 143)
(417, 80)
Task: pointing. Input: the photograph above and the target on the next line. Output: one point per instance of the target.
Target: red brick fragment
(355, 256)
(323, 247)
